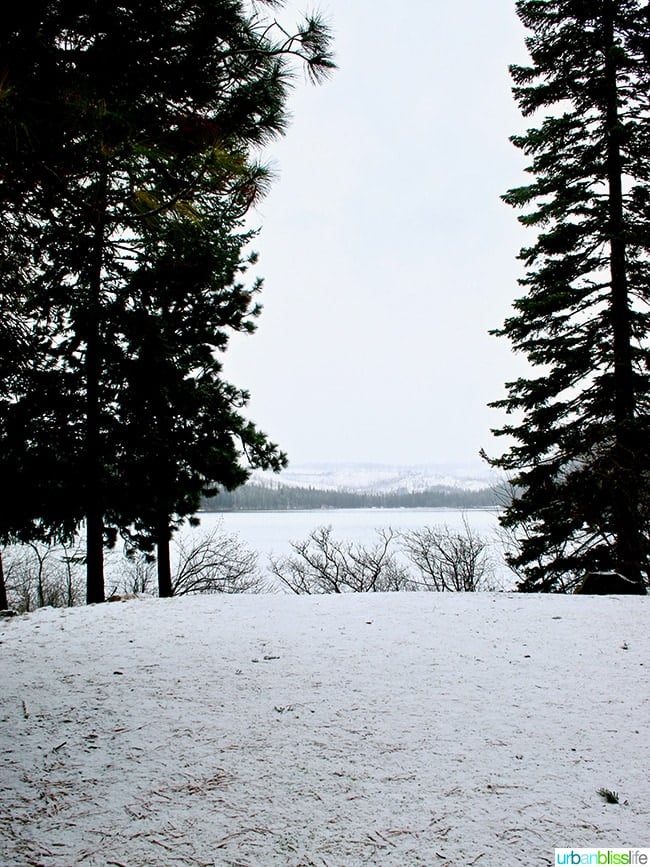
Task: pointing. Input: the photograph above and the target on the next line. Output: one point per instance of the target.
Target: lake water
(272, 532)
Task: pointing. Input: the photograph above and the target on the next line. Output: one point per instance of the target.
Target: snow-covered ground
(406, 729)
(382, 478)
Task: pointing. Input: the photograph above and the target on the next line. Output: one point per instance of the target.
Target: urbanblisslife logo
(602, 856)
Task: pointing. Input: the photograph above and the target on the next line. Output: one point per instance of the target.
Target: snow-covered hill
(362, 729)
(382, 478)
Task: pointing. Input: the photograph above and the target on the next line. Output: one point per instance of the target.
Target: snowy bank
(405, 729)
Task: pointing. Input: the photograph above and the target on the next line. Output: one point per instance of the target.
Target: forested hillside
(262, 497)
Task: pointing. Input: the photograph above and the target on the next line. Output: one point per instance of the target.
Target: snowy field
(406, 729)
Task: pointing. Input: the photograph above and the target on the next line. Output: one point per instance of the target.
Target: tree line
(129, 158)
(256, 497)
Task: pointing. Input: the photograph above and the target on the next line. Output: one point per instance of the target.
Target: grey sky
(386, 251)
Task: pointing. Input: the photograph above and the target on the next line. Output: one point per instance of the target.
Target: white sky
(386, 251)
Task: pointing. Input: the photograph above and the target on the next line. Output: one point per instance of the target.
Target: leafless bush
(450, 559)
(138, 574)
(38, 574)
(322, 564)
(215, 562)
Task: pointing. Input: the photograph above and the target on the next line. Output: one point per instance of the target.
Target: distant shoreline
(266, 498)
(494, 509)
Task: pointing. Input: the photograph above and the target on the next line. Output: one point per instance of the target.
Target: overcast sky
(386, 251)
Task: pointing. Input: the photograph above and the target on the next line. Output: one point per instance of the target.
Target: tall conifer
(580, 457)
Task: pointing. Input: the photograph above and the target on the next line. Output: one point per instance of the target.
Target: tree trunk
(94, 556)
(93, 367)
(163, 537)
(624, 481)
(3, 589)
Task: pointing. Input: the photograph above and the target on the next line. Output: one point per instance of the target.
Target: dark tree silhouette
(580, 454)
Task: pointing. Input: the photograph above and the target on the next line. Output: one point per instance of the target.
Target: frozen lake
(272, 532)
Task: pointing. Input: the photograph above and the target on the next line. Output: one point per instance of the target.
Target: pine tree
(112, 123)
(182, 433)
(580, 460)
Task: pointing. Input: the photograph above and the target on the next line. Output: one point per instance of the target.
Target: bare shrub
(215, 562)
(450, 560)
(138, 574)
(321, 564)
(39, 574)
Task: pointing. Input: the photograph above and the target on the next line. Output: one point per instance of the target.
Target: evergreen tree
(112, 118)
(182, 431)
(580, 456)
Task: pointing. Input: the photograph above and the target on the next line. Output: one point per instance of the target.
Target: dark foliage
(580, 458)
(126, 137)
